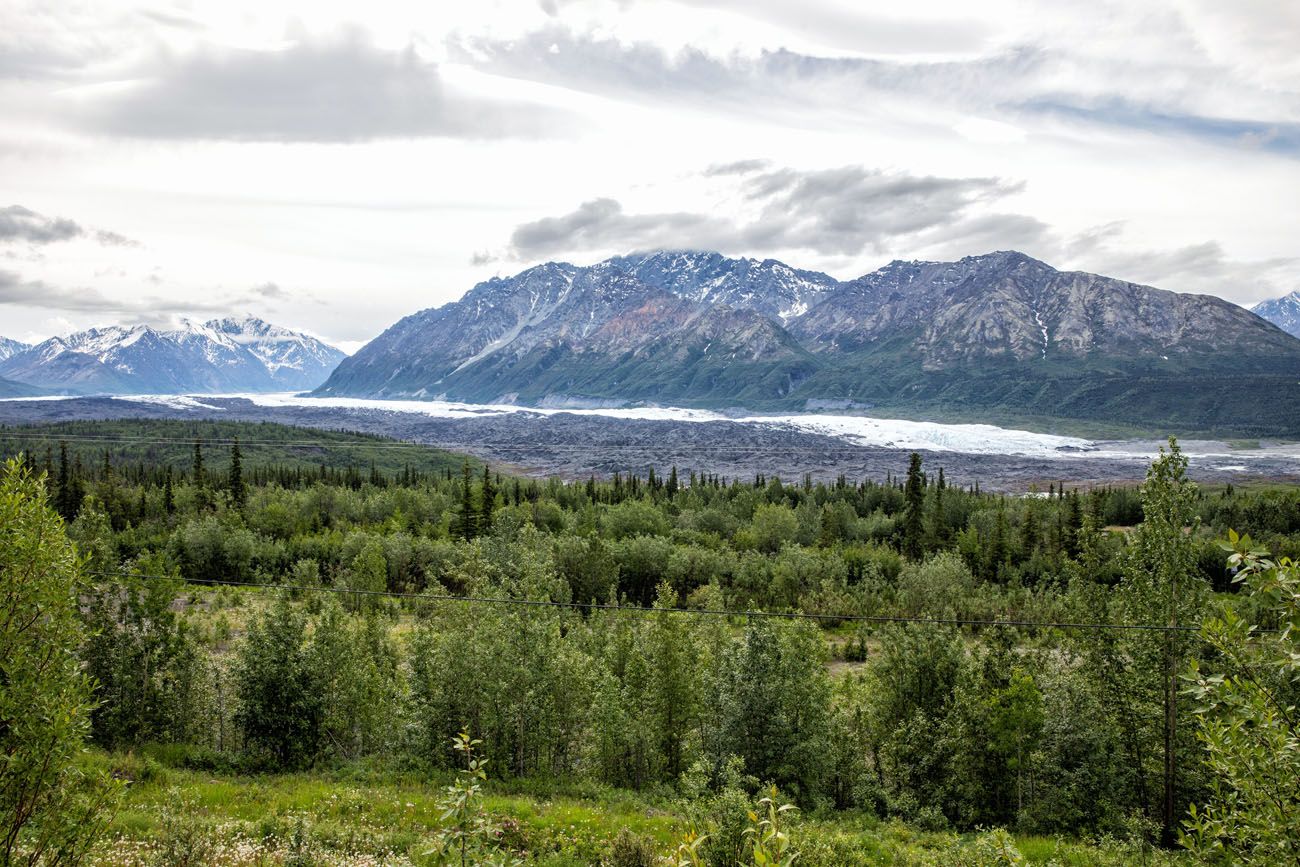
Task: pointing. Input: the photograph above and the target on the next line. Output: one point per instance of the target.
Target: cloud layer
(23, 225)
(341, 89)
(841, 211)
(1175, 95)
(15, 289)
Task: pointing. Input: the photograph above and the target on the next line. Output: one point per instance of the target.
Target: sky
(334, 166)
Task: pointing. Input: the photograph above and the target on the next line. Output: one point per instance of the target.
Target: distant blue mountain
(1283, 312)
(221, 355)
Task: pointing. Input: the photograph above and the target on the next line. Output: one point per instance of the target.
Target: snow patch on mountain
(1283, 312)
(9, 348)
(231, 354)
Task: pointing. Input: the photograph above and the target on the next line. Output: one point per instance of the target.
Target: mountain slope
(558, 330)
(995, 334)
(224, 355)
(9, 388)
(10, 348)
(768, 287)
(1009, 306)
(1283, 312)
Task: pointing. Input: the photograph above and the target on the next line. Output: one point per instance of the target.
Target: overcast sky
(334, 166)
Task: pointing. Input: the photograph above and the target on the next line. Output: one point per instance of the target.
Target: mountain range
(1283, 312)
(993, 335)
(221, 355)
(10, 348)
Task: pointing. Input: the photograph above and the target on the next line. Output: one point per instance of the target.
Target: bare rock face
(1010, 306)
(998, 331)
(568, 327)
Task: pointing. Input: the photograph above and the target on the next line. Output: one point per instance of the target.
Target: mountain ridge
(1283, 312)
(229, 354)
(9, 347)
(1000, 331)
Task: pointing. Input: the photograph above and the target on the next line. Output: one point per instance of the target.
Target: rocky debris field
(575, 446)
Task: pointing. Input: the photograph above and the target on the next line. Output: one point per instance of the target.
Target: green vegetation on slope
(155, 443)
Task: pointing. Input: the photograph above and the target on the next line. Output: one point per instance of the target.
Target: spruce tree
(238, 493)
(489, 502)
(169, 499)
(197, 469)
(914, 509)
(465, 518)
(940, 519)
(63, 499)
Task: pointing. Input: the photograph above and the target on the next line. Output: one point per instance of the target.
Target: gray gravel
(575, 446)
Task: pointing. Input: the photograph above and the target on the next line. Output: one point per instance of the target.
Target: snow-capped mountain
(1283, 312)
(221, 355)
(10, 348)
(769, 287)
(1001, 331)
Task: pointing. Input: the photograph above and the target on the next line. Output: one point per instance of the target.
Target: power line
(640, 609)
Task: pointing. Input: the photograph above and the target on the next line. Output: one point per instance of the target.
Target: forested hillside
(907, 662)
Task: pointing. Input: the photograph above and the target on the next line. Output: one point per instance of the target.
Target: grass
(363, 813)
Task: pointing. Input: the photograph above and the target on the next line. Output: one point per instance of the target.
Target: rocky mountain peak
(237, 353)
(1283, 312)
(691, 326)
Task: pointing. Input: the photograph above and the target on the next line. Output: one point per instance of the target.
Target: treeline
(846, 546)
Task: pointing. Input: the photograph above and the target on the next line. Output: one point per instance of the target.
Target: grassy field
(370, 815)
(196, 806)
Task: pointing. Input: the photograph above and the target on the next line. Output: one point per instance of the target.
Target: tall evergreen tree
(238, 493)
(489, 502)
(169, 498)
(940, 519)
(63, 499)
(197, 469)
(466, 519)
(914, 509)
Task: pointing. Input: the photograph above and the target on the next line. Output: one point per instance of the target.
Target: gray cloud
(1270, 136)
(858, 28)
(984, 232)
(23, 224)
(1161, 95)
(602, 224)
(1203, 267)
(15, 289)
(20, 224)
(340, 90)
(843, 211)
(739, 167)
(773, 80)
(269, 291)
(852, 210)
